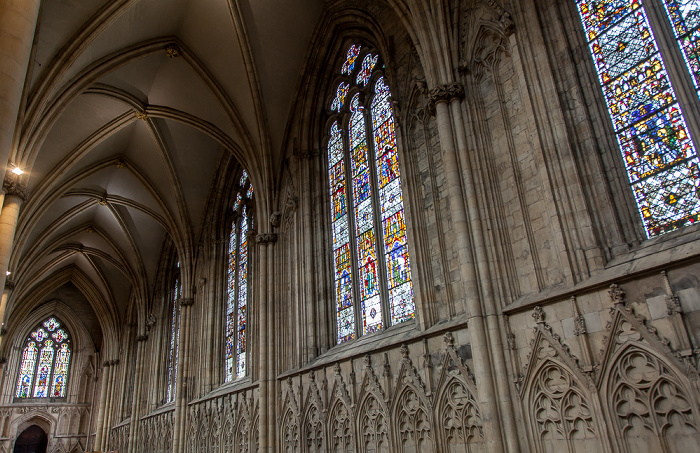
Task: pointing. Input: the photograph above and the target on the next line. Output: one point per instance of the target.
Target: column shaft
(263, 400)
(479, 343)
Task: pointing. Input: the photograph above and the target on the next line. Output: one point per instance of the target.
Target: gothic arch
(340, 426)
(289, 431)
(648, 400)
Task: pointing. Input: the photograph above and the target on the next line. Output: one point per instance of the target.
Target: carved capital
(140, 338)
(13, 186)
(266, 238)
(445, 93)
(9, 285)
(186, 301)
(106, 364)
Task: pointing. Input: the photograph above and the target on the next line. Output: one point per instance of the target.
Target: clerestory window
(371, 261)
(655, 141)
(43, 369)
(237, 292)
(173, 352)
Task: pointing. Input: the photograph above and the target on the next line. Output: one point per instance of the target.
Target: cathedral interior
(350, 226)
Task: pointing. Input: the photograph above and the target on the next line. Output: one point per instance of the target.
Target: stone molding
(186, 301)
(266, 238)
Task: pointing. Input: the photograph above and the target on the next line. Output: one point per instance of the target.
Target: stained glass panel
(339, 100)
(349, 65)
(237, 203)
(26, 371)
(364, 221)
(43, 371)
(652, 133)
(230, 352)
(174, 338)
(398, 268)
(48, 377)
(242, 296)
(60, 372)
(345, 311)
(366, 70)
(685, 18)
(244, 178)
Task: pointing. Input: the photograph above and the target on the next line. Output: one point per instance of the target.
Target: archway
(32, 440)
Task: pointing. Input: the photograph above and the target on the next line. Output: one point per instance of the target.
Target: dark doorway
(32, 440)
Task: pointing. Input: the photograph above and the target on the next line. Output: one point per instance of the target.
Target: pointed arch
(648, 399)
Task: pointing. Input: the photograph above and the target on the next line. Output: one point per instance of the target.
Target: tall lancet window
(174, 350)
(659, 155)
(370, 252)
(237, 300)
(685, 19)
(43, 369)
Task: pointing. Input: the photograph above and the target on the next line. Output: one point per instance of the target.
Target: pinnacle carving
(539, 315)
(617, 295)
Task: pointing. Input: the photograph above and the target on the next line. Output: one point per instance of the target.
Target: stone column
(271, 345)
(180, 415)
(491, 311)
(136, 400)
(441, 97)
(266, 394)
(18, 20)
(15, 194)
(103, 404)
(309, 268)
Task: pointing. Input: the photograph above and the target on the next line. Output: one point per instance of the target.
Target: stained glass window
(658, 153)
(370, 250)
(174, 335)
(238, 267)
(43, 369)
(685, 18)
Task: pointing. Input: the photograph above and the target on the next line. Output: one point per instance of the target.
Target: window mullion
(377, 214)
(352, 234)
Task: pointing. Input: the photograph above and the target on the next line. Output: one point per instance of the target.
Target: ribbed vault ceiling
(130, 108)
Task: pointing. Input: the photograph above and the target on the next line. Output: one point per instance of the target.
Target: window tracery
(237, 282)
(658, 152)
(370, 251)
(43, 370)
